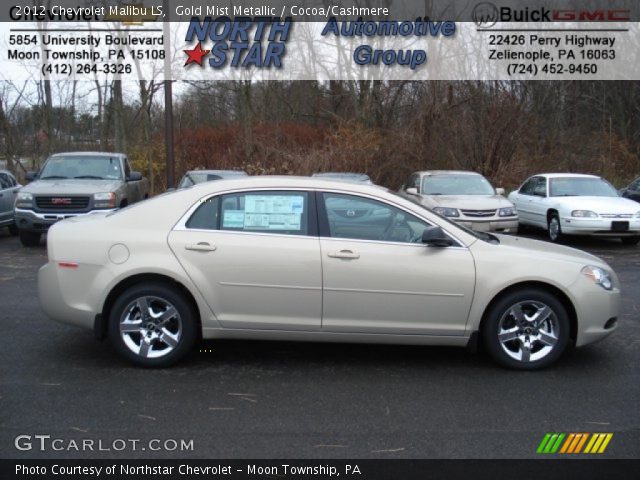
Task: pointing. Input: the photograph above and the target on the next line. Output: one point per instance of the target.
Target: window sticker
(233, 219)
(273, 212)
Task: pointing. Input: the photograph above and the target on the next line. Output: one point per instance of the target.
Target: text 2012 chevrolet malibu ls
(310, 259)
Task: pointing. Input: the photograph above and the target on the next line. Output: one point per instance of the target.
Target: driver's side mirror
(31, 176)
(499, 191)
(134, 177)
(435, 237)
(411, 190)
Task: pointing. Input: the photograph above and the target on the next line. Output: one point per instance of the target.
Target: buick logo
(61, 201)
(351, 213)
(485, 14)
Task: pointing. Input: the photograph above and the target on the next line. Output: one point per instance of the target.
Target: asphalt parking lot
(293, 400)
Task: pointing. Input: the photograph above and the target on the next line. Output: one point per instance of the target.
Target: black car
(632, 191)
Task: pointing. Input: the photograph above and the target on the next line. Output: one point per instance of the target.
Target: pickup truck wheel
(13, 229)
(526, 329)
(152, 325)
(29, 239)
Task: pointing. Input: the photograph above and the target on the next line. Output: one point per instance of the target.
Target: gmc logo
(61, 201)
(592, 15)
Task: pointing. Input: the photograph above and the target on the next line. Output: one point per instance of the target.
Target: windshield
(80, 166)
(581, 187)
(456, 185)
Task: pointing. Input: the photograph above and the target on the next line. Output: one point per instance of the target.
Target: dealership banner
(310, 469)
(320, 40)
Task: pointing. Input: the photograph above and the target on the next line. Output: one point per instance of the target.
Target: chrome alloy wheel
(554, 228)
(151, 327)
(528, 331)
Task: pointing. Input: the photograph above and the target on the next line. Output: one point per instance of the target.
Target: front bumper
(598, 310)
(509, 225)
(599, 226)
(40, 222)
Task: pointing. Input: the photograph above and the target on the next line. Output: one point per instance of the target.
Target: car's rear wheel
(526, 329)
(29, 239)
(554, 229)
(152, 325)
(630, 240)
(13, 230)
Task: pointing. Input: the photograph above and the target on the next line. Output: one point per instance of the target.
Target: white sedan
(286, 258)
(575, 204)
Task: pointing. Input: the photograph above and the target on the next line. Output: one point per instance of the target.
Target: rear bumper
(40, 222)
(503, 226)
(54, 304)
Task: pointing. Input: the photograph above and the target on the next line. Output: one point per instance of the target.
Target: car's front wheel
(526, 329)
(152, 325)
(554, 229)
(29, 239)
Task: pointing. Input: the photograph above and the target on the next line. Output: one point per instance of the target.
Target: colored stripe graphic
(573, 443)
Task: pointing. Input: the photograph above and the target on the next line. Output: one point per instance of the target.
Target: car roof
(218, 172)
(566, 175)
(93, 154)
(287, 181)
(449, 172)
(339, 174)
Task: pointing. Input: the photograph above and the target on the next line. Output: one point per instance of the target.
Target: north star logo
(61, 201)
(243, 42)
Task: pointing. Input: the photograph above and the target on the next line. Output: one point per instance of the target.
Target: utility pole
(168, 99)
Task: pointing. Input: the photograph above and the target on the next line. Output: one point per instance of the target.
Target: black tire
(161, 293)
(501, 310)
(29, 239)
(555, 235)
(13, 230)
(630, 240)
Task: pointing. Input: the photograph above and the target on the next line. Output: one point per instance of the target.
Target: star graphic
(195, 55)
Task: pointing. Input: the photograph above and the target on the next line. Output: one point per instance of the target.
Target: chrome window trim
(181, 225)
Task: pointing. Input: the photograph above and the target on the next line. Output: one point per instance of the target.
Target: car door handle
(200, 247)
(348, 254)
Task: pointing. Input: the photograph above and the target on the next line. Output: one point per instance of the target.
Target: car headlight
(104, 200)
(447, 212)
(508, 212)
(584, 214)
(24, 200)
(599, 275)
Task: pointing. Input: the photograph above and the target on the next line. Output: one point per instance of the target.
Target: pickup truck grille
(478, 213)
(62, 203)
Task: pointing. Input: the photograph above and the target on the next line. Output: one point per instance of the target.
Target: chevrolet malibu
(466, 198)
(314, 260)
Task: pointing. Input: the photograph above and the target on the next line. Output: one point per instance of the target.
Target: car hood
(71, 186)
(599, 204)
(547, 249)
(467, 202)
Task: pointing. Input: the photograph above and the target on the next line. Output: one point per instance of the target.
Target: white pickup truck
(72, 184)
